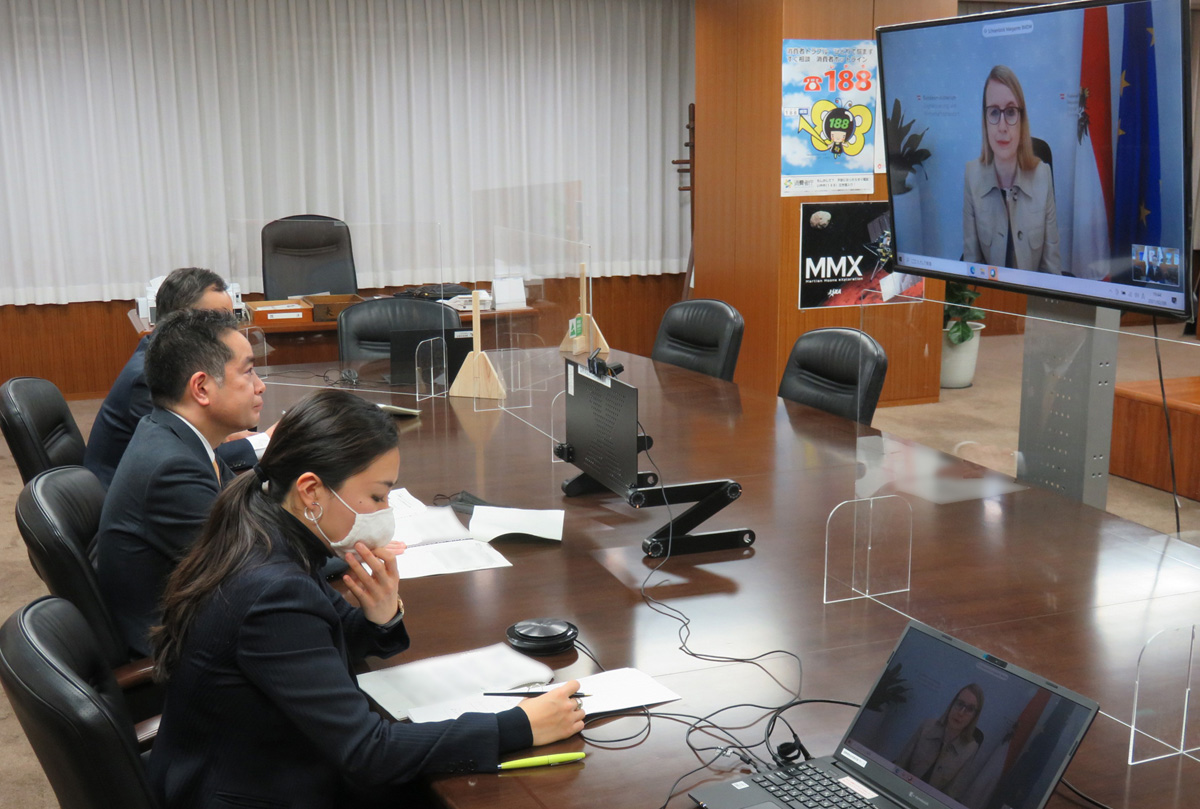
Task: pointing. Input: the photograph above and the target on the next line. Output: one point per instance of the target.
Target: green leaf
(959, 333)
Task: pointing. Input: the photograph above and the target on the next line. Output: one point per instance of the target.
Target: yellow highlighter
(542, 761)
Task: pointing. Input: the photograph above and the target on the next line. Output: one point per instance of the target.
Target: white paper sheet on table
(438, 543)
(616, 690)
(398, 690)
(489, 522)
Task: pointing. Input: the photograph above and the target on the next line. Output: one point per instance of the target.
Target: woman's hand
(554, 715)
(377, 592)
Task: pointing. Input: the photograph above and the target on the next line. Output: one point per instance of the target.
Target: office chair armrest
(134, 673)
(145, 731)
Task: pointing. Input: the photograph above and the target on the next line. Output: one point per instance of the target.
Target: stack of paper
(608, 692)
(499, 667)
(438, 543)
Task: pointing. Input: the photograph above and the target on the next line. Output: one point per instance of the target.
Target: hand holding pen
(555, 714)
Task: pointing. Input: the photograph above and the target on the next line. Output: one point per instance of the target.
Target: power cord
(1162, 387)
(684, 635)
(1085, 797)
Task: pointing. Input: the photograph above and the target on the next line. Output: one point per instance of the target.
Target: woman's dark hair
(333, 434)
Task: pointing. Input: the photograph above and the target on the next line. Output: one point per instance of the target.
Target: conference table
(1062, 589)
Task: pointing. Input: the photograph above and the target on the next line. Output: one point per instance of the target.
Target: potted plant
(960, 343)
(904, 150)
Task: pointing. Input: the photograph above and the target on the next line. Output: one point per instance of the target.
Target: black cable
(778, 715)
(581, 646)
(1162, 387)
(668, 611)
(1085, 797)
(671, 791)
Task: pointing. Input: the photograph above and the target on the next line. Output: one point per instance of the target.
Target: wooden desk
(1139, 440)
(1062, 589)
(317, 342)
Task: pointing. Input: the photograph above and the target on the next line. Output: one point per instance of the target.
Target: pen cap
(542, 636)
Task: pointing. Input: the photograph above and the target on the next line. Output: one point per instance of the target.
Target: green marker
(542, 761)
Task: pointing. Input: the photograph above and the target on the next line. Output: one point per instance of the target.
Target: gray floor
(978, 423)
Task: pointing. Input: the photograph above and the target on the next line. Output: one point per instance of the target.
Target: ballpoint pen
(576, 695)
(541, 761)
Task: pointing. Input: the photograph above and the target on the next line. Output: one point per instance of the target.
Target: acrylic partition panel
(542, 293)
(1165, 723)
(1068, 401)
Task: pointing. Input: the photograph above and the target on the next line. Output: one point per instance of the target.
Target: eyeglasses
(1011, 115)
(959, 705)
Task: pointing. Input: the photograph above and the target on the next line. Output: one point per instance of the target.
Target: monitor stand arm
(676, 536)
(583, 483)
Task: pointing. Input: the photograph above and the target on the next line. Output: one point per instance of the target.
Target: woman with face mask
(255, 648)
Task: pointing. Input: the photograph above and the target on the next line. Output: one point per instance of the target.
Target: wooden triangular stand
(477, 378)
(584, 336)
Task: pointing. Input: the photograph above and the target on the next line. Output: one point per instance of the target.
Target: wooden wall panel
(747, 236)
(81, 347)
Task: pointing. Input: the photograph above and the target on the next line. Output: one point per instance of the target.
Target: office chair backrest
(38, 425)
(365, 329)
(58, 515)
(308, 254)
(702, 335)
(840, 371)
(70, 708)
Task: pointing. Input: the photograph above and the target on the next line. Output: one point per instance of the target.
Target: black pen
(576, 695)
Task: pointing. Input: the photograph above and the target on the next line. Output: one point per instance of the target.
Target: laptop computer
(946, 726)
(423, 351)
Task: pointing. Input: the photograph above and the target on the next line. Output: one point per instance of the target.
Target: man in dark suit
(129, 398)
(200, 372)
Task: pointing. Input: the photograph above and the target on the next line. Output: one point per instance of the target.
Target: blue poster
(829, 121)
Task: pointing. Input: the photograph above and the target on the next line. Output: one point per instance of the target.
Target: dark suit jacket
(159, 498)
(127, 401)
(262, 710)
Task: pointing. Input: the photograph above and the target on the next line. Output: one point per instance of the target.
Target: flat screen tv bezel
(983, 281)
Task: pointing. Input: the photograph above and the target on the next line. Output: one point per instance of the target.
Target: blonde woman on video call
(1009, 217)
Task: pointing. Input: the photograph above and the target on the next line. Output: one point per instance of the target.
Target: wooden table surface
(1054, 586)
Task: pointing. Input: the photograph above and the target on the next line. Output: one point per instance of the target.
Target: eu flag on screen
(1137, 209)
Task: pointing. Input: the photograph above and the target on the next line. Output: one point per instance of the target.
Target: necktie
(217, 469)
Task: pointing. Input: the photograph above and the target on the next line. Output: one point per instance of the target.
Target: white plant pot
(958, 361)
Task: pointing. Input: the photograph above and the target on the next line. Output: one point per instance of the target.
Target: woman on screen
(1009, 218)
(941, 749)
(261, 707)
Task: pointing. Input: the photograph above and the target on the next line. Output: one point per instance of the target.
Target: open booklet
(438, 542)
(447, 687)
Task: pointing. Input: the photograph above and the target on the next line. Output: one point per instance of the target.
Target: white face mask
(374, 529)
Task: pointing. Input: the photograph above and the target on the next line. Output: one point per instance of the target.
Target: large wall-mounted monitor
(1045, 150)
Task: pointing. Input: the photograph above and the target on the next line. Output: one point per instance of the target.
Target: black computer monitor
(1072, 122)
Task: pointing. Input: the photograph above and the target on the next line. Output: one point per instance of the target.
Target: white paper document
(398, 690)
(609, 691)
(438, 543)
(448, 556)
(489, 522)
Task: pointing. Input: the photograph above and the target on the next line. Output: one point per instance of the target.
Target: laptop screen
(949, 723)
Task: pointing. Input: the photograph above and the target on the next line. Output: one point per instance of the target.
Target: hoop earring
(308, 515)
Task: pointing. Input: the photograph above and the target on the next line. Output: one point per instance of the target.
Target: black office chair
(365, 329)
(71, 709)
(308, 254)
(58, 515)
(840, 371)
(702, 335)
(38, 425)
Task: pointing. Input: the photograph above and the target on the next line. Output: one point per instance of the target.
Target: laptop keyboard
(801, 786)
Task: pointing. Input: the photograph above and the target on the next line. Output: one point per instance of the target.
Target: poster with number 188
(829, 142)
